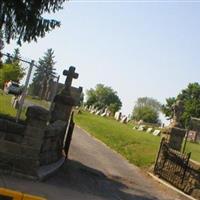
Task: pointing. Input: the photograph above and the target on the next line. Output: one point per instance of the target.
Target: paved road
(94, 172)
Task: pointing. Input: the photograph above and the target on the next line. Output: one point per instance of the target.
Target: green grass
(5, 105)
(139, 148)
(195, 149)
(6, 108)
(38, 102)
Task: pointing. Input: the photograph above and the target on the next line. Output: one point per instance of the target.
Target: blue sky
(139, 48)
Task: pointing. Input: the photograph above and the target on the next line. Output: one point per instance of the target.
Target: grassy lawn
(7, 109)
(139, 148)
(5, 105)
(38, 102)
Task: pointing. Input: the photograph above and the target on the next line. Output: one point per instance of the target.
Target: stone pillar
(37, 118)
(62, 107)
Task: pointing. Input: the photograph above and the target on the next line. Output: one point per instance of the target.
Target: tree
(191, 103)
(10, 72)
(12, 69)
(146, 109)
(23, 20)
(103, 97)
(44, 73)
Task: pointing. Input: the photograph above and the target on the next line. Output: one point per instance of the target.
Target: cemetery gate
(173, 166)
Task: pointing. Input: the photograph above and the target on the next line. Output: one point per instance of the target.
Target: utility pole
(24, 93)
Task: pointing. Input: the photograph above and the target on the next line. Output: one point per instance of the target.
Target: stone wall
(25, 147)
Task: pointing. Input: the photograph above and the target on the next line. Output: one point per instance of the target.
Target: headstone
(156, 132)
(176, 138)
(108, 114)
(192, 136)
(195, 126)
(103, 115)
(98, 112)
(149, 130)
(141, 128)
(92, 111)
(140, 122)
(124, 120)
(118, 116)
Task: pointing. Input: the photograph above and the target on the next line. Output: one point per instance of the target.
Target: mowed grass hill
(140, 148)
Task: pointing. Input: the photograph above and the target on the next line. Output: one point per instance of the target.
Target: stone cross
(70, 75)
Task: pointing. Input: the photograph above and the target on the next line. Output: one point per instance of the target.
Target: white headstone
(141, 128)
(103, 115)
(92, 111)
(123, 120)
(149, 130)
(98, 112)
(118, 116)
(156, 132)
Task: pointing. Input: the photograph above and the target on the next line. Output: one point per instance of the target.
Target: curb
(170, 186)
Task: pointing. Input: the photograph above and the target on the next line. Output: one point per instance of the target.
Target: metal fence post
(24, 91)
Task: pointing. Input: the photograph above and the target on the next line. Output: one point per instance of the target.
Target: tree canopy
(23, 19)
(146, 109)
(44, 73)
(11, 69)
(190, 97)
(103, 97)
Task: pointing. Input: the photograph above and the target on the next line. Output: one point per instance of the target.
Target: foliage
(12, 69)
(24, 21)
(167, 108)
(146, 109)
(102, 97)
(139, 149)
(191, 101)
(145, 113)
(44, 73)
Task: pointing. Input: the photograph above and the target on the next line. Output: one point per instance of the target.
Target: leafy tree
(10, 72)
(191, 102)
(12, 69)
(167, 108)
(23, 19)
(102, 97)
(146, 109)
(45, 72)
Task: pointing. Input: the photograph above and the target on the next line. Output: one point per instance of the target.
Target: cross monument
(70, 75)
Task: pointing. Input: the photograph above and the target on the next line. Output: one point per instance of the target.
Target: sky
(139, 48)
